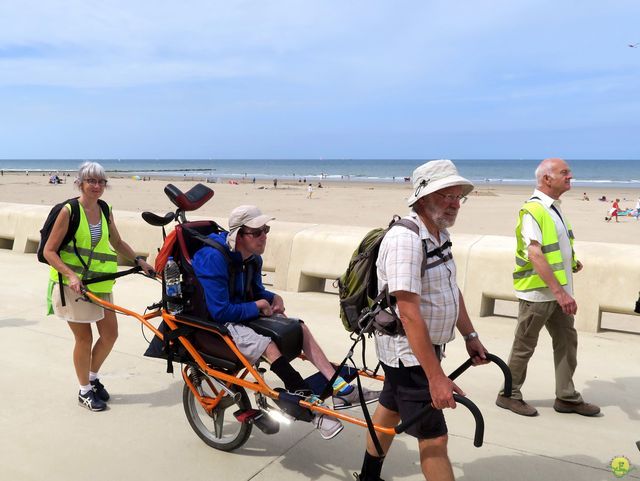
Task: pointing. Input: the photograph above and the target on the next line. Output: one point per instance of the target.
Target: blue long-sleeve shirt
(213, 273)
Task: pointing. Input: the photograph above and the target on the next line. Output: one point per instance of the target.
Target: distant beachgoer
(2, 172)
(319, 185)
(275, 183)
(254, 181)
(637, 212)
(613, 212)
(603, 198)
(585, 196)
(309, 191)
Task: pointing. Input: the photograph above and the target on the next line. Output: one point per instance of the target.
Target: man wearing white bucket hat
(430, 306)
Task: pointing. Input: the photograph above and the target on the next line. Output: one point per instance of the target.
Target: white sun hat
(436, 175)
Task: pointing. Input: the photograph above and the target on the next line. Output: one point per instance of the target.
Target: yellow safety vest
(99, 260)
(525, 277)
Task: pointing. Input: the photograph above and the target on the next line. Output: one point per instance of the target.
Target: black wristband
(138, 259)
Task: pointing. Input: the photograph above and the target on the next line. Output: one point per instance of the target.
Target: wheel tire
(231, 434)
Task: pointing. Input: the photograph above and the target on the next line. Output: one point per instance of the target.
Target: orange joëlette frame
(258, 385)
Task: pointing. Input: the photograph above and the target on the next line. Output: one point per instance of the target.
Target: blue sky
(319, 79)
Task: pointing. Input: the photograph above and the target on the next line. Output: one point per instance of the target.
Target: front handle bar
(466, 402)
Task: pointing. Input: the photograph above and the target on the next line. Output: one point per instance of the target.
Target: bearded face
(441, 207)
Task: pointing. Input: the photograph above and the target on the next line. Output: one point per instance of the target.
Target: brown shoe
(583, 408)
(517, 406)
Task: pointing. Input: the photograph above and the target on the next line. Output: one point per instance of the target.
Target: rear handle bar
(466, 402)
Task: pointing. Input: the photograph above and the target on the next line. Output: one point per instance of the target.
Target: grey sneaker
(346, 401)
(327, 426)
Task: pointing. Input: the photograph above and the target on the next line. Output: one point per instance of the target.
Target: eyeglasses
(452, 198)
(257, 232)
(102, 182)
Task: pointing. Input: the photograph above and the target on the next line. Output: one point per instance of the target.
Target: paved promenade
(144, 436)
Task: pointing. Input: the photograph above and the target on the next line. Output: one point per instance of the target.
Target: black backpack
(74, 222)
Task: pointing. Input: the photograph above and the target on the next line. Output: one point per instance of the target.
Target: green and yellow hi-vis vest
(525, 277)
(100, 260)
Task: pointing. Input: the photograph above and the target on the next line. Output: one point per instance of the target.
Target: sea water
(586, 172)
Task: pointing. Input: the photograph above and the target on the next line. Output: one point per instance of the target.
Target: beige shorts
(77, 309)
(251, 344)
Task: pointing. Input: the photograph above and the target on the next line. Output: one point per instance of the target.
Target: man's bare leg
(434, 459)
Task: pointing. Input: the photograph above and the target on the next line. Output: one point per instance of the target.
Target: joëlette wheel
(220, 429)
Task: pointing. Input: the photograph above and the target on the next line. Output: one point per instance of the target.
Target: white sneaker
(329, 427)
(346, 401)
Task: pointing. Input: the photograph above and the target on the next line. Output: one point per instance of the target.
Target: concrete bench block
(609, 282)
(486, 274)
(277, 255)
(319, 253)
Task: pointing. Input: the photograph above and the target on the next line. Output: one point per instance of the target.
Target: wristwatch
(470, 336)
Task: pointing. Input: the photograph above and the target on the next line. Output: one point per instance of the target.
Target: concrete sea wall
(308, 257)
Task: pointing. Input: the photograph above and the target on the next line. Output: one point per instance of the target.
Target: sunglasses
(257, 232)
(102, 182)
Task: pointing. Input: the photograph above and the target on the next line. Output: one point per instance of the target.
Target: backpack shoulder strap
(438, 251)
(104, 207)
(408, 224)
(413, 227)
(74, 221)
(217, 246)
(225, 254)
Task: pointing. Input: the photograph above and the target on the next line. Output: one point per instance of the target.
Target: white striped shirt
(96, 232)
(399, 266)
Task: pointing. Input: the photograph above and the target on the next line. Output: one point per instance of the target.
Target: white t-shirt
(531, 231)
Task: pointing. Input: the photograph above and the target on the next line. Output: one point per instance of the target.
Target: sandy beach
(552, 443)
(490, 209)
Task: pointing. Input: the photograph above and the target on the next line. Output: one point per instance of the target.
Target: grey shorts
(76, 309)
(251, 344)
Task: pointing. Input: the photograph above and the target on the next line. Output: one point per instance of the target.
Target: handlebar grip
(477, 415)
(506, 372)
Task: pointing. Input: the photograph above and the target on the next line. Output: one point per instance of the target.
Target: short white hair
(546, 168)
(90, 170)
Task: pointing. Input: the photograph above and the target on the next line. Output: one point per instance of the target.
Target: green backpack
(358, 286)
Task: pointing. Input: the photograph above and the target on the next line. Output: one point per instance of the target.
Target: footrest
(317, 381)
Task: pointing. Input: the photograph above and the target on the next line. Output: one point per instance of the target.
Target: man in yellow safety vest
(543, 281)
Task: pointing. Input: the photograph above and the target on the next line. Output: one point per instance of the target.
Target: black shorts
(405, 391)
